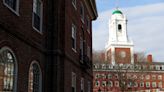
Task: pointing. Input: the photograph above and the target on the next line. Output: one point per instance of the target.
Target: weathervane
(117, 4)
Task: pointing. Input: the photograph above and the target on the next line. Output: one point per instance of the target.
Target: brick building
(121, 70)
(46, 45)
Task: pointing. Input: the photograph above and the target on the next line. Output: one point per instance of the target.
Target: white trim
(74, 36)
(41, 18)
(74, 4)
(14, 11)
(82, 16)
(16, 66)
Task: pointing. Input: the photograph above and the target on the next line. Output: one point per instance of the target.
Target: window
(89, 86)
(97, 76)
(73, 36)
(116, 76)
(88, 51)
(35, 78)
(88, 24)
(141, 84)
(116, 84)
(160, 84)
(81, 49)
(103, 76)
(97, 83)
(82, 85)
(73, 82)
(154, 84)
(103, 83)
(103, 66)
(135, 84)
(157, 67)
(12, 4)
(142, 77)
(130, 84)
(119, 27)
(110, 83)
(109, 76)
(159, 77)
(147, 84)
(37, 15)
(147, 77)
(74, 3)
(7, 71)
(153, 77)
(82, 12)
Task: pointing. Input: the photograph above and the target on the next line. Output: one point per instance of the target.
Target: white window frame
(147, 77)
(89, 86)
(73, 36)
(16, 11)
(73, 81)
(147, 84)
(103, 83)
(40, 77)
(82, 85)
(74, 4)
(88, 23)
(88, 51)
(153, 77)
(154, 84)
(160, 84)
(109, 76)
(111, 84)
(15, 66)
(135, 84)
(41, 17)
(97, 82)
(116, 84)
(97, 76)
(81, 48)
(159, 77)
(82, 12)
(141, 84)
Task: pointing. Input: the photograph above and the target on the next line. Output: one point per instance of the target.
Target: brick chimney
(149, 58)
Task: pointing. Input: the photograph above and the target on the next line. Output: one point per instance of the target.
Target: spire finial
(117, 1)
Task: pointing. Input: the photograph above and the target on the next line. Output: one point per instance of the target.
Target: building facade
(46, 45)
(120, 70)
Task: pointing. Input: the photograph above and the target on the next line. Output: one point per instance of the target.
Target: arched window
(35, 78)
(8, 71)
(119, 27)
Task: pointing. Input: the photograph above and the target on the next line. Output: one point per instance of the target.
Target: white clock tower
(119, 48)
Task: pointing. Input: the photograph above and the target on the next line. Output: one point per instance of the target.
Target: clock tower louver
(119, 49)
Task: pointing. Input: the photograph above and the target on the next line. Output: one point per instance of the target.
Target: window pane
(11, 4)
(7, 71)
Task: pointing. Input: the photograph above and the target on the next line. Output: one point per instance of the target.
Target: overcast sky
(145, 25)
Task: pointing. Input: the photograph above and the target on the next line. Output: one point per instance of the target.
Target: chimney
(149, 58)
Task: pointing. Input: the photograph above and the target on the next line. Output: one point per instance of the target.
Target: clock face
(123, 54)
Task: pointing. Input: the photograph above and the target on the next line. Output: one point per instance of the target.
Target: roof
(117, 12)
